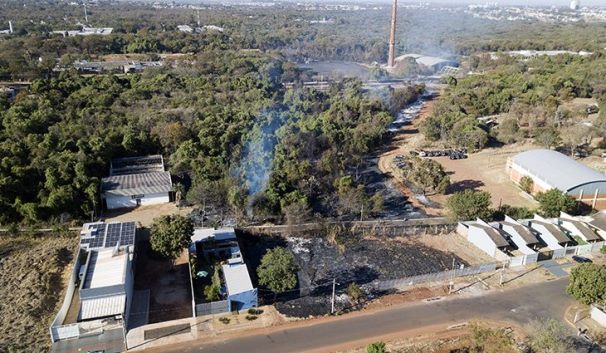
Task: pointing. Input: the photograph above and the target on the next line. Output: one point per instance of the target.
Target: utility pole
(334, 285)
(392, 35)
(451, 284)
(501, 279)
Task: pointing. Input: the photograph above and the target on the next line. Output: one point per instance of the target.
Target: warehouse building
(553, 170)
(136, 181)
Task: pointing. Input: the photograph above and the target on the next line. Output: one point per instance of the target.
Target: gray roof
(136, 165)
(524, 232)
(555, 230)
(599, 221)
(137, 184)
(584, 229)
(556, 169)
(495, 235)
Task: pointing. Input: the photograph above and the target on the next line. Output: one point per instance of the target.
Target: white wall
(480, 239)
(115, 202)
(550, 240)
(598, 315)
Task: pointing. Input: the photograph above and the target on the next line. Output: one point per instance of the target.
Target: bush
(377, 347)
(603, 250)
(354, 292)
(552, 202)
(527, 184)
(255, 311)
(588, 284)
(251, 317)
(469, 205)
(225, 320)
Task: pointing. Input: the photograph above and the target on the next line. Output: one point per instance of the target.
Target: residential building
(545, 168)
(551, 234)
(94, 314)
(577, 228)
(491, 240)
(136, 181)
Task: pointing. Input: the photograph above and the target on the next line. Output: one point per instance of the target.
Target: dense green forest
(218, 121)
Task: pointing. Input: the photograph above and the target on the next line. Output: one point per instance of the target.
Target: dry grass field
(33, 276)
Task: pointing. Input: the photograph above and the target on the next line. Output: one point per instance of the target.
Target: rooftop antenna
(392, 35)
(85, 14)
(10, 26)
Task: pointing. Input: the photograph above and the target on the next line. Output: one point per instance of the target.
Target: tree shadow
(467, 184)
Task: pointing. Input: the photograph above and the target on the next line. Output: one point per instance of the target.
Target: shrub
(469, 205)
(377, 347)
(225, 320)
(251, 317)
(354, 292)
(255, 311)
(603, 250)
(527, 184)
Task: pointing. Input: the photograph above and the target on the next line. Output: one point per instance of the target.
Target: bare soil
(170, 294)
(144, 215)
(34, 273)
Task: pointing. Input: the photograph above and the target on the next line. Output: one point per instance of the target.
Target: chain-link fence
(434, 277)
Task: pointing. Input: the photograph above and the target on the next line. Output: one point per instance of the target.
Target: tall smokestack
(392, 35)
(10, 26)
(85, 14)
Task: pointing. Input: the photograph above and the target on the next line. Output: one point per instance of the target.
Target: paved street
(517, 305)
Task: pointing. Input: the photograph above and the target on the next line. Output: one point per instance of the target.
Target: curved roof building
(550, 169)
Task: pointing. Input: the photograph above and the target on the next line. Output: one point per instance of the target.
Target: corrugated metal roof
(105, 270)
(102, 307)
(557, 169)
(135, 184)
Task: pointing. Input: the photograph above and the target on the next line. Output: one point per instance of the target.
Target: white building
(136, 181)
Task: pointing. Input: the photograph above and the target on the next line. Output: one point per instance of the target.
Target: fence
(434, 277)
(212, 308)
(57, 331)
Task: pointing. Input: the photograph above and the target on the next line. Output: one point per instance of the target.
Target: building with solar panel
(136, 181)
(94, 314)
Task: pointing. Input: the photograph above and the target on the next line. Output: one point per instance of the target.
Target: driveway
(518, 306)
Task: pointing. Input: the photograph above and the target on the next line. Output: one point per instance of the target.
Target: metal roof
(204, 234)
(553, 229)
(137, 184)
(495, 235)
(136, 165)
(557, 169)
(237, 279)
(523, 232)
(599, 221)
(105, 269)
(583, 229)
(102, 307)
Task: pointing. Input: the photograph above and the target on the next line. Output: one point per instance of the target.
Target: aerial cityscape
(302, 176)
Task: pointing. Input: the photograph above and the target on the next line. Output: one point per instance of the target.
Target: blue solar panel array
(108, 235)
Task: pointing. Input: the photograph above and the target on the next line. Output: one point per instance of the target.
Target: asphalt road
(516, 305)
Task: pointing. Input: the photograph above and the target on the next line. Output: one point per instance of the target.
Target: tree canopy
(469, 204)
(171, 234)
(588, 284)
(553, 201)
(278, 270)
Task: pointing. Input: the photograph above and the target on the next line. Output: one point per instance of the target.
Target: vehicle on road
(581, 259)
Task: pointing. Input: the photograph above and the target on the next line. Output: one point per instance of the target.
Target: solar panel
(104, 235)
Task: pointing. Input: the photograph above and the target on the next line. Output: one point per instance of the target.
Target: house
(522, 236)
(136, 181)
(545, 168)
(578, 228)
(222, 245)
(489, 239)
(86, 31)
(185, 29)
(95, 310)
(598, 223)
(551, 234)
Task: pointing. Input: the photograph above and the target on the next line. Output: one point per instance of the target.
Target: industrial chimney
(10, 26)
(392, 34)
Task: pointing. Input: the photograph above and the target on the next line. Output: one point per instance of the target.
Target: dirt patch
(170, 293)
(145, 215)
(33, 276)
(360, 260)
(456, 244)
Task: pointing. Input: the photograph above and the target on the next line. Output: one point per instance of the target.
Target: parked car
(581, 259)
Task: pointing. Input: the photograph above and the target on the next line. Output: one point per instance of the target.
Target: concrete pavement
(518, 306)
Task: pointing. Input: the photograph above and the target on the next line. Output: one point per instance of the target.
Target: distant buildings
(136, 181)
(85, 31)
(431, 62)
(553, 170)
(575, 5)
(95, 312)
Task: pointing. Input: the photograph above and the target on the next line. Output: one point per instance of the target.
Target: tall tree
(278, 270)
(588, 284)
(553, 201)
(469, 205)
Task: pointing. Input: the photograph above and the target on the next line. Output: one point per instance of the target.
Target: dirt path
(400, 145)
